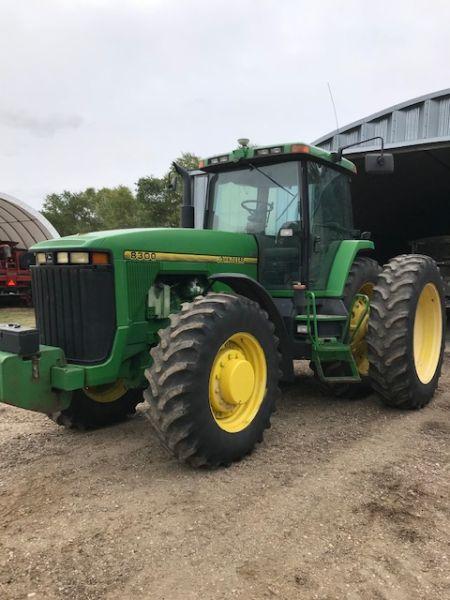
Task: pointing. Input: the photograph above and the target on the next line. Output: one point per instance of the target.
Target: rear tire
(406, 336)
(188, 373)
(86, 413)
(362, 278)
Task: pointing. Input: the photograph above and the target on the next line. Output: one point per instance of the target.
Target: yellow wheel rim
(359, 345)
(237, 383)
(427, 333)
(109, 392)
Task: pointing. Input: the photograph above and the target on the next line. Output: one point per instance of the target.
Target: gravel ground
(344, 499)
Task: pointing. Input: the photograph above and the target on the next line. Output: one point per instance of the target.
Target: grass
(15, 314)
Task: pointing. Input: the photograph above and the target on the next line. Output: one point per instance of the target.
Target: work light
(267, 151)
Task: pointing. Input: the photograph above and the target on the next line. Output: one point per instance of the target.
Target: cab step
(333, 349)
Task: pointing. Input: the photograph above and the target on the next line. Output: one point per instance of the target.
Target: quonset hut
(22, 224)
(414, 202)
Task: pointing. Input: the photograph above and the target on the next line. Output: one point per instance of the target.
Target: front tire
(99, 407)
(214, 380)
(406, 336)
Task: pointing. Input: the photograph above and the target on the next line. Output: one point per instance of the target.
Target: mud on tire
(394, 355)
(178, 391)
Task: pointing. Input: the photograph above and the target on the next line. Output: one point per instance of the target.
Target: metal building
(413, 202)
(22, 224)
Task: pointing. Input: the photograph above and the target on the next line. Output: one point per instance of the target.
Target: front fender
(248, 287)
(346, 254)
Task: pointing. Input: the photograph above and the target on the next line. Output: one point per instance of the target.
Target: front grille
(75, 309)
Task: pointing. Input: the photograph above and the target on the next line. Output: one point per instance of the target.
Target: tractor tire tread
(391, 372)
(171, 377)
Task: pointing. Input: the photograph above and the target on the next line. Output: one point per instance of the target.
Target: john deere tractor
(204, 321)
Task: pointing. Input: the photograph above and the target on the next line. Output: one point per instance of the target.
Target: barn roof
(422, 122)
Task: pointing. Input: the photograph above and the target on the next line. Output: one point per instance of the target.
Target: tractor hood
(122, 242)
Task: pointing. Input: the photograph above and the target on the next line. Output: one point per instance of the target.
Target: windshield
(253, 199)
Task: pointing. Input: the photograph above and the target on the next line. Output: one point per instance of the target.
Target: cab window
(330, 217)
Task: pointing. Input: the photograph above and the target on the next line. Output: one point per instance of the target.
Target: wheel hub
(106, 393)
(237, 382)
(427, 333)
(234, 379)
(358, 345)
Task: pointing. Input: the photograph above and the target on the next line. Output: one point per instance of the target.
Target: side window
(285, 205)
(330, 216)
(200, 186)
(280, 257)
(329, 197)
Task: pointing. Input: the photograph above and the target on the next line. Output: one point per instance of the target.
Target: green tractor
(204, 322)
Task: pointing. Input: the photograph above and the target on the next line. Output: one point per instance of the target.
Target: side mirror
(379, 163)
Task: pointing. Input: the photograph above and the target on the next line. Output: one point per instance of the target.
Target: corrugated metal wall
(417, 121)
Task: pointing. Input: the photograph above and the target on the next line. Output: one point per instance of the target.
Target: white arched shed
(22, 224)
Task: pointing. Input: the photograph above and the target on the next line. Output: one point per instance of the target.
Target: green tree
(71, 212)
(188, 160)
(117, 208)
(159, 206)
(154, 205)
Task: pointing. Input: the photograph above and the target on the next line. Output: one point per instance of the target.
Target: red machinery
(15, 274)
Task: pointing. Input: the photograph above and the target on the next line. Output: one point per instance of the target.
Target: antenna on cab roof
(335, 113)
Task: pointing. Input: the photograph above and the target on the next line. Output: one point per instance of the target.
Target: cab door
(330, 219)
(280, 243)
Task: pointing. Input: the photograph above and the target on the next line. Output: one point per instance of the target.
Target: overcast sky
(102, 92)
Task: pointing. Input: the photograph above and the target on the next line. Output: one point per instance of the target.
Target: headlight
(79, 258)
(40, 258)
(62, 258)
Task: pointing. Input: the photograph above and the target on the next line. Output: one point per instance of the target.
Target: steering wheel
(245, 206)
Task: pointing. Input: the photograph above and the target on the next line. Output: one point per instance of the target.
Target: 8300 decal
(147, 255)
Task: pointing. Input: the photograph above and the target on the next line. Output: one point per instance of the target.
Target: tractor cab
(293, 198)
(295, 201)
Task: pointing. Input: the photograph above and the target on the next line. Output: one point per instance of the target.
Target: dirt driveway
(342, 500)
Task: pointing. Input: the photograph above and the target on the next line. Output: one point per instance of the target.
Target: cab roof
(244, 153)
